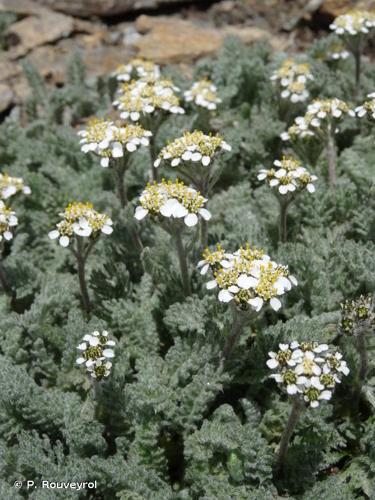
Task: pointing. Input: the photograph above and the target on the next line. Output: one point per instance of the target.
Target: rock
(172, 40)
(87, 8)
(82, 26)
(103, 60)
(6, 97)
(21, 89)
(335, 8)
(8, 69)
(21, 7)
(34, 31)
(99, 59)
(50, 61)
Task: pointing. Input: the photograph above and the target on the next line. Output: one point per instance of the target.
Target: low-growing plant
(172, 394)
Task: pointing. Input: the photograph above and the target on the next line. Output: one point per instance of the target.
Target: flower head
(336, 51)
(357, 315)
(320, 114)
(247, 277)
(354, 23)
(9, 186)
(308, 370)
(367, 108)
(8, 221)
(292, 78)
(111, 141)
(288, 176)
(144, 97)
(204, 94)
(95, 351)
(172, 199)
(80, 219)
(214, 260)
(137, 68)
(192, 147)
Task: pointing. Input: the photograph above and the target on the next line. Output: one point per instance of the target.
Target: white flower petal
(272, 363)
(205, 213)
(275, 304)
(53, 234)
(211, 284)
(191, 220)
(244, 281)
(257, 303)
(140, 213)
(168, 208)
(106, 229)
(64, 241)
(225, 296)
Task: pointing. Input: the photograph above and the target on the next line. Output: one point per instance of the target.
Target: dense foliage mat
(174, 420)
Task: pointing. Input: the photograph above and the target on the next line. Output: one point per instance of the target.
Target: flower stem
(81, 261)
(183, 262)
(284, 204)
(357, 59)
(204, 233)
(4, 281)
(153, 156)
(237, 326)
(98, 392)
(363, 356)
(331, 158)
(294, 416)
(119, 173)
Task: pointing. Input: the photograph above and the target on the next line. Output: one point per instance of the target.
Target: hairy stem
(119, 173)
(204, 233)
(237, 327)
(81, 262)
(357, 59)
(98, 393)
(183, 262)
(294, 416)
(284, 205)
(6, 286)
(153, 157)
(331, 158)
(363, 356)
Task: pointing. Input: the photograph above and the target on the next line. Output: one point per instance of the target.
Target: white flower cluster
(354, 23)
(110, 141)
(308, 369)
(337, 51)
(247, 276)
(95, 351)
(137, 68)
(9, 186)
(320, 113)
(192, 146)
(143, 97)
(293, 77)
(289, 176)
(358, 315)
(367, 108)
(8, 221)
(80, 219)
(339, 54)
(204, 94)
(172, 199)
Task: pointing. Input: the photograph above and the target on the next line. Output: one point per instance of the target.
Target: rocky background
(108, 32)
